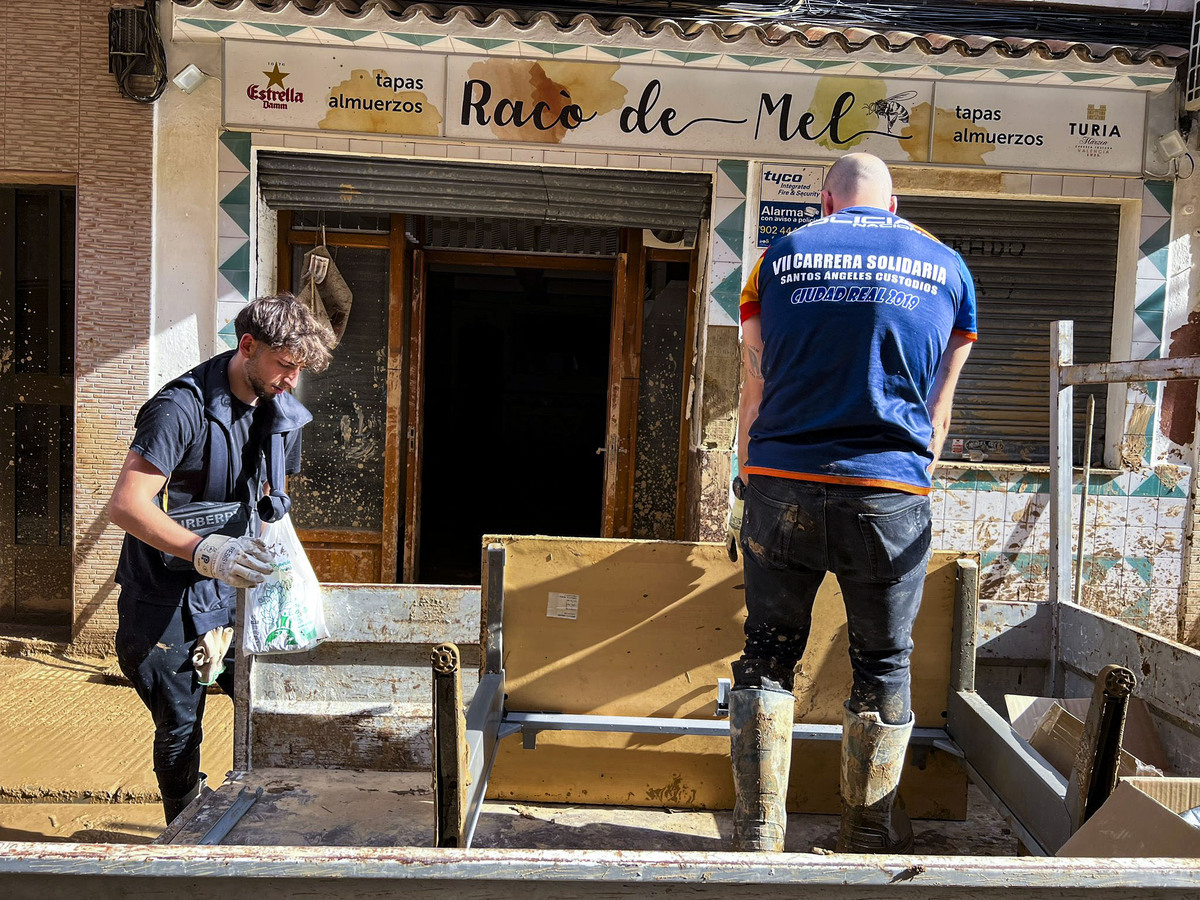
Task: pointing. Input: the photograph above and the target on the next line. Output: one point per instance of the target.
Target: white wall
(185, 217)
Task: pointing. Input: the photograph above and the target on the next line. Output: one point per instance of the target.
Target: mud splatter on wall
(341, 480)
(660, 401)
(557, 85)
(1179, 397)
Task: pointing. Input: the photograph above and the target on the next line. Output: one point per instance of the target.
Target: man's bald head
(857, 179)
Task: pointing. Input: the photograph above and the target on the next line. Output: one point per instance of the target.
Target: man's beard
(262, 390)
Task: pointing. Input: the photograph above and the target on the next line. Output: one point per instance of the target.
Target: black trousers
(154, 649)
(877, 543)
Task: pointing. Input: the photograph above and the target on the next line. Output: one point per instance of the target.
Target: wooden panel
(612, 434)
(695, 773)
(658, 623)
(385, 743)
(336, 564)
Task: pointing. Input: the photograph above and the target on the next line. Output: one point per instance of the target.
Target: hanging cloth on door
(324, 291)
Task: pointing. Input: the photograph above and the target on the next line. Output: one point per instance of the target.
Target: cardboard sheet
(1131, 823)
(1141, 734)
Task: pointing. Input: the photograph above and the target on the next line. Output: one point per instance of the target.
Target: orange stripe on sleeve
(969, 335)
(750, 305)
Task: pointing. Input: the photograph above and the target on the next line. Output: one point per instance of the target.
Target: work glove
(238, 561)
(208, 656)
(733, 524)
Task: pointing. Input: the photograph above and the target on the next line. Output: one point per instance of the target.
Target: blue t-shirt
(856, 310)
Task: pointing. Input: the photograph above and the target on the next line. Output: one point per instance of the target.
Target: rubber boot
(873, 816)
(760, 737)
(173, 806)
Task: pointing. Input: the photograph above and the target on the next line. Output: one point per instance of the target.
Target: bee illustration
(891, 108)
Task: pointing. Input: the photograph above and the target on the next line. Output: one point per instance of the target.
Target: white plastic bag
(286, 613)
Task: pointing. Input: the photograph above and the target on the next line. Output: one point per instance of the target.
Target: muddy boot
(173, 806)
(760, 737)
(873, 816)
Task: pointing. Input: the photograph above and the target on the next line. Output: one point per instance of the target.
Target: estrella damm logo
(274, 95)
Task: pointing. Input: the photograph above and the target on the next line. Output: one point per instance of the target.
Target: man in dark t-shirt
(854, 330)
(221, 436)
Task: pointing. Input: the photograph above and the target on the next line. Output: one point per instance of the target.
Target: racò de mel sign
(640, 108)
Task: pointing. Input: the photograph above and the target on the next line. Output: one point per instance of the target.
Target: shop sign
(714, 111)
(304, 88)
(619, 107)
(789, 196)
(1063, 128)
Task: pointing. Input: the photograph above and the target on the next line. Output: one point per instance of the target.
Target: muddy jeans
(154, 649)
(877, 543)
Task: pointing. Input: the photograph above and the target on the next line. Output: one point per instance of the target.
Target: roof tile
(771, 31)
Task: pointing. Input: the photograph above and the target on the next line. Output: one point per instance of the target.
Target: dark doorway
(37, 402)
(515, 409)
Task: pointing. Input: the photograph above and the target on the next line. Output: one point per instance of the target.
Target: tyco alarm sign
(790, 196)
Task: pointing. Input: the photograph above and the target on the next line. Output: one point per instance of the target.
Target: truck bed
(340, 808)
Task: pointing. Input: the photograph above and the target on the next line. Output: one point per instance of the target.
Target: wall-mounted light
(1172, 145)
(189, 78)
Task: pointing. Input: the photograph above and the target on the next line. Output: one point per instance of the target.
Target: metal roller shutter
(1033, 262)
(671, 201)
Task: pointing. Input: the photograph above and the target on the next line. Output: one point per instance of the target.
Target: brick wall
(65, 121)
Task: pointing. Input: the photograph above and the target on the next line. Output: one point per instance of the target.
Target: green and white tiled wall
(233, 231)
(730, 219)
(1133, 549)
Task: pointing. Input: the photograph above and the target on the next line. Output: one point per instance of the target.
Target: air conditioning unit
(667, 240)
(1191, 88)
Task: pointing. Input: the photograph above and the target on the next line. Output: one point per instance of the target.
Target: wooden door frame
(414, 416)
(8, 498)
(49, 389)
(625, 361)
(394, 242)
(406, 369)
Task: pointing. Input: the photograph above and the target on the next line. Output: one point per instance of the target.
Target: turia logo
(274, 95)
(1094, 135)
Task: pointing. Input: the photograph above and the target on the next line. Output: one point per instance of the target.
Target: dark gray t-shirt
(172, 435)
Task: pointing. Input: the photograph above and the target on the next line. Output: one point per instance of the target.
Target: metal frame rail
(1064, 375)
(1017, 779)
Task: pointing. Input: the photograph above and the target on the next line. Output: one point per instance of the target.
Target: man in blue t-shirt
(854, 330)
(221, 437)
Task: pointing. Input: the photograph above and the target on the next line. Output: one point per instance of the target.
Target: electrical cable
(1126, 28)
(156, 56)
(1192, 171)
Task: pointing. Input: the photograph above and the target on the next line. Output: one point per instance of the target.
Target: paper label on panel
(563, 606)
